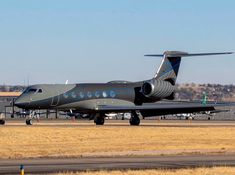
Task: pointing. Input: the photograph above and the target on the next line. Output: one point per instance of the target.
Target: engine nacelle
(158, 89)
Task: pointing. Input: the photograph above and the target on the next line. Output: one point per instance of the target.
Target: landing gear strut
(99, 119)
(29, 120)
(134, 120)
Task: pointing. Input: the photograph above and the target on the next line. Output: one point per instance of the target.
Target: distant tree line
(215, 92)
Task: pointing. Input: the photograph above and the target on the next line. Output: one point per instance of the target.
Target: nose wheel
(29, 122)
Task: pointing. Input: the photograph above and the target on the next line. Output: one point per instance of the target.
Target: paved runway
(121, 123)
(49, 165)
(42, 166)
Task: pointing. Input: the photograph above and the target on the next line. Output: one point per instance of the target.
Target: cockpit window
(32, 90)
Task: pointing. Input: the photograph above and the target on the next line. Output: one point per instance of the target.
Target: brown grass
(10, 94)
(23, 141)
(196, 171)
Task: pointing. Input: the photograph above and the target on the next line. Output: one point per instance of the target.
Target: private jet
(98, 99)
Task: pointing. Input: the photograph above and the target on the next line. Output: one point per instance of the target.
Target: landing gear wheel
(99, 120)
(29, 121)
(134, 120)
(2, 122)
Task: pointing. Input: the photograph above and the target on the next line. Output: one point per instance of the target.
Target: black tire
(2, 122)
(209, 118)
(99, 121)
(29, 122)
(134, 121)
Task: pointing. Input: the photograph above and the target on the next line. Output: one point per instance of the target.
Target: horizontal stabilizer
(170, 54)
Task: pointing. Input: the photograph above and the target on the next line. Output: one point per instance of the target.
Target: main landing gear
(99, 119)
(134, 120)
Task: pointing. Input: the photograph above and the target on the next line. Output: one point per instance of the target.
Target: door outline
(55, 100)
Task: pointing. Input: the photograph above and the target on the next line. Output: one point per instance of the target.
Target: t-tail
(170, 64)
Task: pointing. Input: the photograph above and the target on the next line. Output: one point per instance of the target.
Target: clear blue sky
(51, 41)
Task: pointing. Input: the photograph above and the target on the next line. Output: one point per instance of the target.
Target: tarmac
(61, 164)
(55, 165)
(122, 123)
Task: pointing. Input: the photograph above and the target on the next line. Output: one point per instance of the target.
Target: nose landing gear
(29, 122)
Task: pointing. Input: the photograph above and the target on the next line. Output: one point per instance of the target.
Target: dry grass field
(23, 141)
(196, 171)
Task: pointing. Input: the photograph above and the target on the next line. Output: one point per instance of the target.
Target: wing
(218, 111)
(157, 109)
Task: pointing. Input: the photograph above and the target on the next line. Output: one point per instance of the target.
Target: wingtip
(228, 52)
(182, 54)
(154, 55)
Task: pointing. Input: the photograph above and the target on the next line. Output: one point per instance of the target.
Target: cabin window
(112, 94)
(73, 95)
(81, 94)
(97, 94)
(66, 95)
(39, 90)
(89, 94)
(104, 94)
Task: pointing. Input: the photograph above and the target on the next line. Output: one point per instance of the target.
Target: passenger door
(55, 100)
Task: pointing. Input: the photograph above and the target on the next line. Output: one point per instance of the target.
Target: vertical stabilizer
(170, 65)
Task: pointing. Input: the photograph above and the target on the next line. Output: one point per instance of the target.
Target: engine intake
(157, 89)
(147, 88)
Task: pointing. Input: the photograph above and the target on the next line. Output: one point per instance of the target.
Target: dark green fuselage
(83, 97)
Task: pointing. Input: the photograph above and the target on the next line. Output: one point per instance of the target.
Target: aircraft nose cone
(21, 102)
